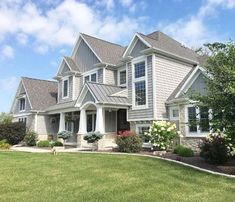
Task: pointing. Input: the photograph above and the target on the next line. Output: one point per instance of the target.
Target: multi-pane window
(141, 129)
(198, 119)
(65, 88)
(140, 69)
(139, 84)
(22, 104)
(140, 93)
(23, 120)
(69, 126)
(175, 113)
(93, 77)
(122, 77)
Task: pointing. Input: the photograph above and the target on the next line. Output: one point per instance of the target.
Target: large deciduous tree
(220, 95)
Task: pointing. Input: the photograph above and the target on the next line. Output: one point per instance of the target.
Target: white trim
(27, 94)
(130, 46)
(138, 125)
(122, 69)
(63, 80)
(20, 115)
(19, 104)
(73, 95)
(188, 84)
(104, 75)
(154, 78)
(89, 73)
(135, 80)
(36, 122)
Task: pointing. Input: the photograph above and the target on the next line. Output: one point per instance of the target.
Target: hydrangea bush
(216, 148)
(161, 134)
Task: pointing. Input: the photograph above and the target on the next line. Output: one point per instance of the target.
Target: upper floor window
(22, 104)
(91, 77)
(139, 84)
(122, 78)
(198, 119)
(65, 88)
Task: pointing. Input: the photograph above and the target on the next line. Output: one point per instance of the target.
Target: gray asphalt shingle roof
(71, 63)
(108, 52)
(162, 41)
(41, 93)
(106, 93)
(61, 106)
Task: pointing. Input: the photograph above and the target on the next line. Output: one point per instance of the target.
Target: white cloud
(7, 52)
(60, 24)
(126, 3)
(193, 30)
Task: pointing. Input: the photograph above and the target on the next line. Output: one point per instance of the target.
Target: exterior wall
(78, 86)
(139, 46)
(17, 108)
(70, 97)
(88, 98)
(169, 73)
(44, 127)
(65, 69)
(143, 113)
(100, 75)
(30, 123)
(110, 77)
(85, 58)
(199, 85)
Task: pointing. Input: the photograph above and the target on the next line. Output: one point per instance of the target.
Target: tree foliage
(220, 95)
(5, 118)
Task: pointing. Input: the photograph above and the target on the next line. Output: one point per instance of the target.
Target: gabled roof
(162, 41)
(58, 106)
(105, 93)
(41, 93)
(193, 73)
(71, 63)
(108, 52)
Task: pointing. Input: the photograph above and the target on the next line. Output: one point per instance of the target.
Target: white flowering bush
(161, 134)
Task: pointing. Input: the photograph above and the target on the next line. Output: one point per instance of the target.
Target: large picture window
(198, 119)
(139, 85)
(22, 104)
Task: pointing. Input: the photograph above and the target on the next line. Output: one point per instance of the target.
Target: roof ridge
(25, 77)
(104, 84)
(103, 40)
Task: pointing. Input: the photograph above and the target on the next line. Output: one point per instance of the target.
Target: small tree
(220, 96)
(64, 134)
(93, 137)
(5, 118)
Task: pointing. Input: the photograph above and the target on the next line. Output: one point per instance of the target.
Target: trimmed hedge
(13, 133)
(183, 151)
(43, 143)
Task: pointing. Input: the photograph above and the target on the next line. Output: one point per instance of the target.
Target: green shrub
(43, 143)
(4, 144)
(64, 134)
(12, 132)
(129, 142)
(57, 144)
(183, 151)
(92, 137)
(161, 134)
(30, 138)
(216, 148)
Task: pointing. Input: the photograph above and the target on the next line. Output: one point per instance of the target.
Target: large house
(108, 88)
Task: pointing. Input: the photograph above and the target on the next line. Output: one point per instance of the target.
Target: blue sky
(35, 34)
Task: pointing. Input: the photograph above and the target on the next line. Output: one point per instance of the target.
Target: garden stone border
(166, 159)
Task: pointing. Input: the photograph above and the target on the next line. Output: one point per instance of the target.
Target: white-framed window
(22, 104)
(174, 113)
(122, 77)
(90, 77)
(69, 126)
(65, 88)
(139, 84)
(23, 120)
(198, 120)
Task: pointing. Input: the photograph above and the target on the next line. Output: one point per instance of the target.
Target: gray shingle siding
(100, 74)
(199, 85)
(143, 113)
(88, 98)
(139, 46)
(169, 73)
(85, 58)
(65, 69)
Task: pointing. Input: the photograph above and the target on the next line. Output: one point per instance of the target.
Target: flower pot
(95, 146)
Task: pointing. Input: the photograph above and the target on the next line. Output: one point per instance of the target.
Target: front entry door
(91, 122)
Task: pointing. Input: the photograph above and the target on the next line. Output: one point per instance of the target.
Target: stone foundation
(191, 142)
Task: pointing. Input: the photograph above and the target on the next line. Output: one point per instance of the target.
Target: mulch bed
(227, 168)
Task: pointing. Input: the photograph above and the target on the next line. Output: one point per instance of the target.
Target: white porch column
(100, 120)
(82, 122)
(62, 122)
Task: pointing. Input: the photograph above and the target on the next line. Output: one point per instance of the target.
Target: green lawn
(101, 177)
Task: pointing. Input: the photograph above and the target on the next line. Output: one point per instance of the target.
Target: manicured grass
(102, 177)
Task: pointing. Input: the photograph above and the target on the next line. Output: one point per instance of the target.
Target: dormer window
(22, 104)
(65, 88)
(90, 77)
